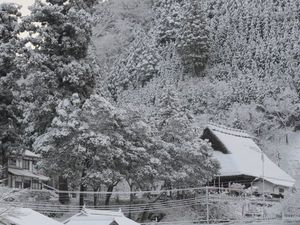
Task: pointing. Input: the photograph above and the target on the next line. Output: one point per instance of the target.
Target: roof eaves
(218, 139)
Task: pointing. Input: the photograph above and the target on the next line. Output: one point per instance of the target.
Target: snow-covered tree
(98, 141)
(9, 110)
(169, 15)
(59, 63)
(116, 21)
(56, 63)
(192, 40)
(137, 66)
(186, 157)
(129, 144)
(101, 119)
(62, 146)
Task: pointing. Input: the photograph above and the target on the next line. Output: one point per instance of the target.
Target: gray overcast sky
(24, 3)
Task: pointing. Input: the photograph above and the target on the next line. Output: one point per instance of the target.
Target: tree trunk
(108, 195)
(63, 186)
(130, 200)
(81, 195)
(95, 197)
(4, 163)
(145, 214)
(82, 190)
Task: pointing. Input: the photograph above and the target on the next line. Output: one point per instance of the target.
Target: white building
(242, 161)
(99, 217)
(25, 216)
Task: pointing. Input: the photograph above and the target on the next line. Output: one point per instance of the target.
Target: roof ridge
(227, 128)
(103, 212)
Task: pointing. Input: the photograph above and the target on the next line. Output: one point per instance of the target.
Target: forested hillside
(231, 62)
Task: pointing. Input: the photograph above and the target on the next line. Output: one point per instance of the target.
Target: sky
(24, 3)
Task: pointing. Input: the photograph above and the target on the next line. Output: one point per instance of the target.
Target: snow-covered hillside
(250, 79)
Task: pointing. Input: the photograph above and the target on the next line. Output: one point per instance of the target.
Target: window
(12, 162)
(26, 164)
(18, 184)
(27, 184)
(35, 184)
(281, 190)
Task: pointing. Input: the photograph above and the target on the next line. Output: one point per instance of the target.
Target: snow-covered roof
(31, 154)
(25, 216)
(27, 173)
(99, 217)
(27, 153)
(245, 157)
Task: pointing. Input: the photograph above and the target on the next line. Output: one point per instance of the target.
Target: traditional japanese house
(20, 172)
(243, 162)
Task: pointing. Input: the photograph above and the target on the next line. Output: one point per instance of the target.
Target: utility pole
(263, 180)
(278, 158)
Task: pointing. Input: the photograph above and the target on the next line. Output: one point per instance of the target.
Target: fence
(204, 205)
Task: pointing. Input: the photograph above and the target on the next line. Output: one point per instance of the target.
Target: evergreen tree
(56, 64)
(192, 41)
(10, 113)
(137, 66)
(59, 64)
(168, 20)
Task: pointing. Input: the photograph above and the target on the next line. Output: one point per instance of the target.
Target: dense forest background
(247, 52)
(229, 62)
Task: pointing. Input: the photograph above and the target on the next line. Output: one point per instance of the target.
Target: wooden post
(207, 206)
(282, 212)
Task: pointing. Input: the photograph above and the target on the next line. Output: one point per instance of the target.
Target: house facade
(243, 162)
(20, 172)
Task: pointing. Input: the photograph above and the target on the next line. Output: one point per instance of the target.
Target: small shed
(26, 216)
(242, 161)
(99, 217)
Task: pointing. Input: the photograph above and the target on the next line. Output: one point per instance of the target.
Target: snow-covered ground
(289, 154)
(255, 223)
(269, 223)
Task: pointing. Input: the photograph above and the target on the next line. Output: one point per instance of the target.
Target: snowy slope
(289, 154)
